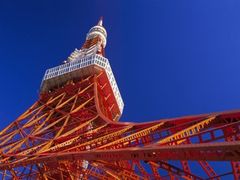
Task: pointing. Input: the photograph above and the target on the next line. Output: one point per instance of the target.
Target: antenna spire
(100, 22)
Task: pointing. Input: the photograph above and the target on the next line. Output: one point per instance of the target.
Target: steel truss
(71, 133)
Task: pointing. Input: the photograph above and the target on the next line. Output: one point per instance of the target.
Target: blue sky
(170, 58)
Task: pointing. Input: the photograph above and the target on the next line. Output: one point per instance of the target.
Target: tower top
(98, 31)
(87, 61)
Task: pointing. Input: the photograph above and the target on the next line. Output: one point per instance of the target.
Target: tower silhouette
(72, 131)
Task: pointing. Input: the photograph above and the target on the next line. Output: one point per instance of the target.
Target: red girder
(227, 151)
(75, 124)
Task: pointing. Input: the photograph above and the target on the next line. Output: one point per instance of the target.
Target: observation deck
(79, 68)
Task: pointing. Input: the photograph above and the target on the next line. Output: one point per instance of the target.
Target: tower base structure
(70, 133)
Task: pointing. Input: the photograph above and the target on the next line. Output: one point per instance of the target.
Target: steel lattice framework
(72, 132)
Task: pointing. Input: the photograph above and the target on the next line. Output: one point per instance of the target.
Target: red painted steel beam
(223, 151)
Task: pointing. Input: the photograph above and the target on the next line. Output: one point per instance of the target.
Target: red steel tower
(72, 131)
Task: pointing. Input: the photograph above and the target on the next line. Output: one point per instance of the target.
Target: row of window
(114, 87)
(101, 59)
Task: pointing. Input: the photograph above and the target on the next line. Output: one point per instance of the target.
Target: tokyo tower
(73, 131)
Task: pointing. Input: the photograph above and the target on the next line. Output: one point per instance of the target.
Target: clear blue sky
(170, 58)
